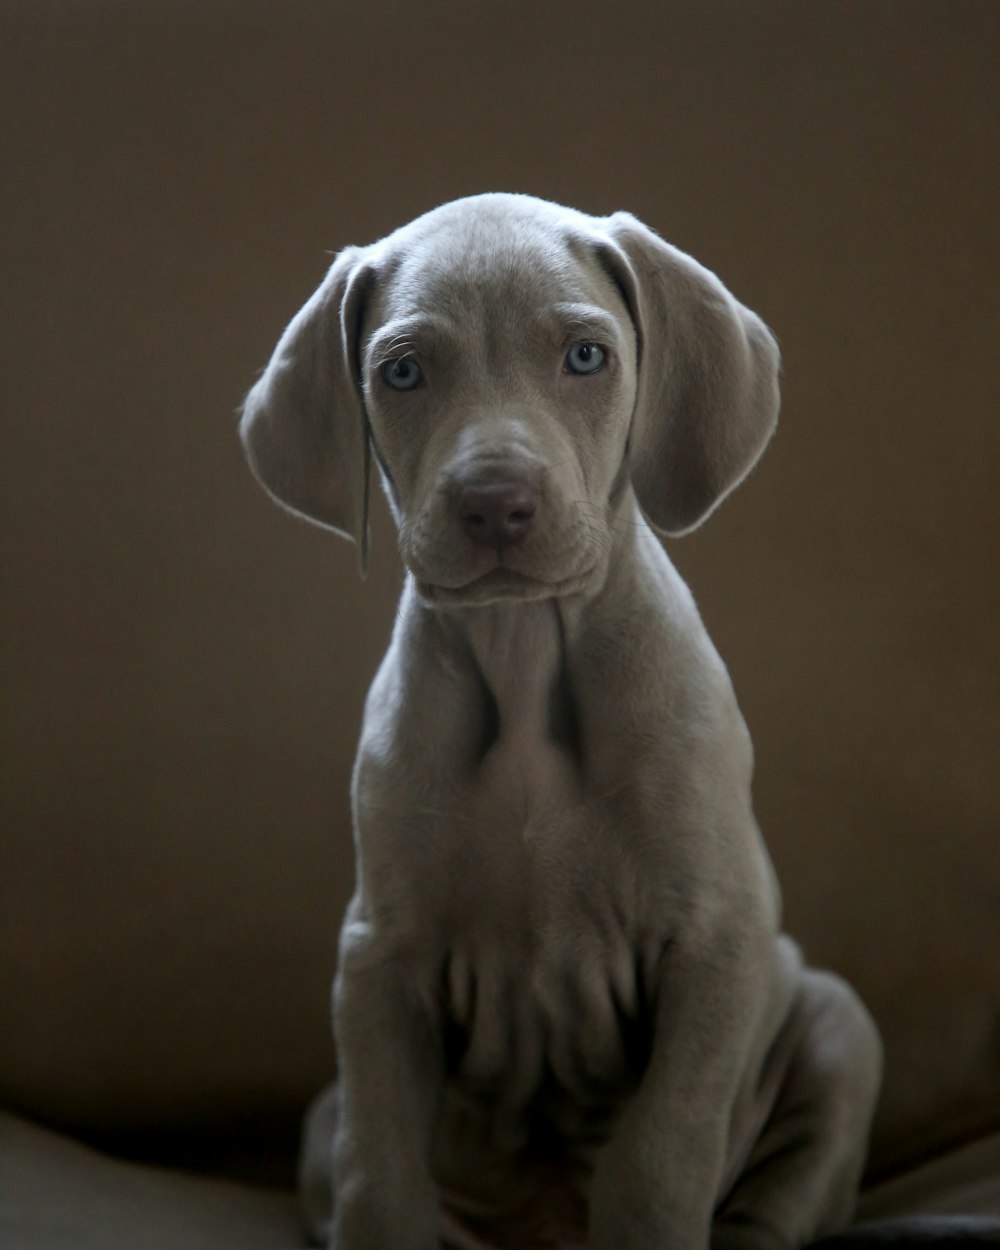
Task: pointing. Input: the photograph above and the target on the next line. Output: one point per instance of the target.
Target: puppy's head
(516, 369)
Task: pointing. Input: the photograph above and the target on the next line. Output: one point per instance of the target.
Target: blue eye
(402, 374)
(585, 358)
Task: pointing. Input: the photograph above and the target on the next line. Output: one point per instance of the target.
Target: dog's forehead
(497, 252)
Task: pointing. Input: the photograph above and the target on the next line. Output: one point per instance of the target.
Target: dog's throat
(489, 721)
(526, 694)
(564, 727)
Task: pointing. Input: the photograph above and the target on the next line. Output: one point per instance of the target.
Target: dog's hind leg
(800, 1178)
(315, 1172)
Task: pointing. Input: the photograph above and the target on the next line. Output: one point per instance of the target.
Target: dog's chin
(503, 585)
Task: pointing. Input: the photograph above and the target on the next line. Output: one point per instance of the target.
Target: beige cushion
(965, 1181)
(58, 1195)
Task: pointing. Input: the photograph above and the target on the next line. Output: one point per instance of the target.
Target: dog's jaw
(503, 585)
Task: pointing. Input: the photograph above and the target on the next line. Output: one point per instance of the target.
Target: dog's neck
(525, 656)
(519, 650)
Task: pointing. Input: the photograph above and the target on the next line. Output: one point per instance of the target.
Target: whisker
(393, 350)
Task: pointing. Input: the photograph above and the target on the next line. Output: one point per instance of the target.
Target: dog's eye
(585, 358)
(402, 374)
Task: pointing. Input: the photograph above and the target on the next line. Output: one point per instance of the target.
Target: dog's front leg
(390, 1082)
(656, 1182)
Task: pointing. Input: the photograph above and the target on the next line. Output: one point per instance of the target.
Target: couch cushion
(58, 1195)
(965, 1181)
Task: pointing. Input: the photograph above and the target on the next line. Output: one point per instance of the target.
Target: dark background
(183, 666)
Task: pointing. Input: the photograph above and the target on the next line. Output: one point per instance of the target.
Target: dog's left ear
(707, 399)
(303, 426)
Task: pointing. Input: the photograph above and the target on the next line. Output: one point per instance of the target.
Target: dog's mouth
(502, 584)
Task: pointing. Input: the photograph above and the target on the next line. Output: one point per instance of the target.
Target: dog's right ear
(303, 426)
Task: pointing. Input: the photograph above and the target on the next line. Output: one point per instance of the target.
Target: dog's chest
(526, 902)
(545, 997)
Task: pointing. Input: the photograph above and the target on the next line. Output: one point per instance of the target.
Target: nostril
(497, 513)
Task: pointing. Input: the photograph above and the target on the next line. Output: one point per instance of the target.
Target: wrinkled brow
(420, 332)
(586, 319)
(402, 335)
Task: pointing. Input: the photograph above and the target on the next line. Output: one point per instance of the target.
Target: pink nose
(497, 513)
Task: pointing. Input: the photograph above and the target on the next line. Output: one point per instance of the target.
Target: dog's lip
(502, 576)
(503, 581)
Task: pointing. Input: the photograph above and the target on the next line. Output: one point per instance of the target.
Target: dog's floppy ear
(707, 399)
(303, 426)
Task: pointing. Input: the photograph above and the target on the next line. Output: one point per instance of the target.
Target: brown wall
(183, 666)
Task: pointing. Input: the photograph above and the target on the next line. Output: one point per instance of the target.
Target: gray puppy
(564, 1012)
